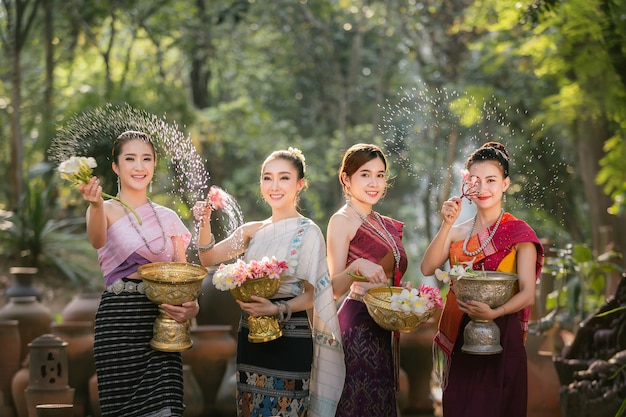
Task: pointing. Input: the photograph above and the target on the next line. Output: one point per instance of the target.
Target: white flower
(442, 276)
(409, 301)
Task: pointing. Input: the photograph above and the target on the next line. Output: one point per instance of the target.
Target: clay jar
(9, 363)
(82, 307)
(213, 346)
(217, 307)
(192, 395)
(33, 317)
(79, 336)
(18, 391)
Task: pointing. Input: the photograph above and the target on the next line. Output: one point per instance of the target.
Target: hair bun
(497, 146)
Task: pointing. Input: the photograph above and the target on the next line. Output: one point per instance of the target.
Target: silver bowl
(482, 337)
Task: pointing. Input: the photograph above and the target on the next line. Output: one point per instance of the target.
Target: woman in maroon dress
(365, 251)
(485, 385)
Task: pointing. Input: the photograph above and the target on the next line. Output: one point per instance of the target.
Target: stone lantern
(48, 374)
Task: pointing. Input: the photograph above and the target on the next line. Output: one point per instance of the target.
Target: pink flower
(432, 294)
(217, 198)
(230, 276)
(468, 189)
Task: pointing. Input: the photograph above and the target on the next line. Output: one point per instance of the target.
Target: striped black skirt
(134, 380)
(273, 377)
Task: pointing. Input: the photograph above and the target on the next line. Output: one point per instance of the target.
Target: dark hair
(292, 155)
(490, 151)
(127, 137)
(357, 156)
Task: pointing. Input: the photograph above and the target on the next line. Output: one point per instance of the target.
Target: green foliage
(37, 235)
(580, 278)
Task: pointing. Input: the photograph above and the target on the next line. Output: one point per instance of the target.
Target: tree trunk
(608, 231)
(17, 173)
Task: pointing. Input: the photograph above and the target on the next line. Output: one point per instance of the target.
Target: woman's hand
(202, 211)
(258, 306)
(370, 271)
(182, 313)
(451, 210)
(92, 191)
(477, 310)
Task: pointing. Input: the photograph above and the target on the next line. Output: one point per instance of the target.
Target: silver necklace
(486, 242)
(388, 239)
(145, 241)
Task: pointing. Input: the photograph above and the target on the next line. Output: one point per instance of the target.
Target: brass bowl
(172, 282)
(263, 287)
(262, 328)
(491, 287)
(378, 303)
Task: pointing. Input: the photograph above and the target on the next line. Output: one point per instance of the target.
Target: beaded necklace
(145, 241)
(387, 237)
(486, 242)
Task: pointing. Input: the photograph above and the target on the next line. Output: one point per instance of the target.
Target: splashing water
(93, 132)
(431, 133)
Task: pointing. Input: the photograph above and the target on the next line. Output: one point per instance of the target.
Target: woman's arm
(338, 243)
(438, 251)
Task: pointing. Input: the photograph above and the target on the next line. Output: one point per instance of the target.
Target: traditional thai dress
(486, 385)
(371, 352)
(134, 379)
(302, 369)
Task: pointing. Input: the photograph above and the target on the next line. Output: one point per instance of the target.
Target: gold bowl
(262, 287)
(261, 328)
(378, 303)
(482, 337)
(171, 283)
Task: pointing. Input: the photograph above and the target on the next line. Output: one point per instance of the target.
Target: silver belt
(355, 296)
(119, 286)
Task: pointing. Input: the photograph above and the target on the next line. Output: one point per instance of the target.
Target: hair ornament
(298, 154)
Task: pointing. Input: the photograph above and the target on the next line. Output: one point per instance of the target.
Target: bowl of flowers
(245, 279)
(402, 309)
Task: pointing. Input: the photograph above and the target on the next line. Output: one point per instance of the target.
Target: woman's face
(135, 166)
(490, 183)
(369, 182)
(280, 184)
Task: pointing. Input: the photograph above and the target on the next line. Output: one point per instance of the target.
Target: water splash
(430, 132)
(93, 132)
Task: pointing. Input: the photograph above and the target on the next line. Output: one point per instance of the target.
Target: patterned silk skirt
(273, 377)
(134, 380)
(369, 388)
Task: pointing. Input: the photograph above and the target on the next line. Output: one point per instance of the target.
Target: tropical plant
(580, 279)
(36, 235)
